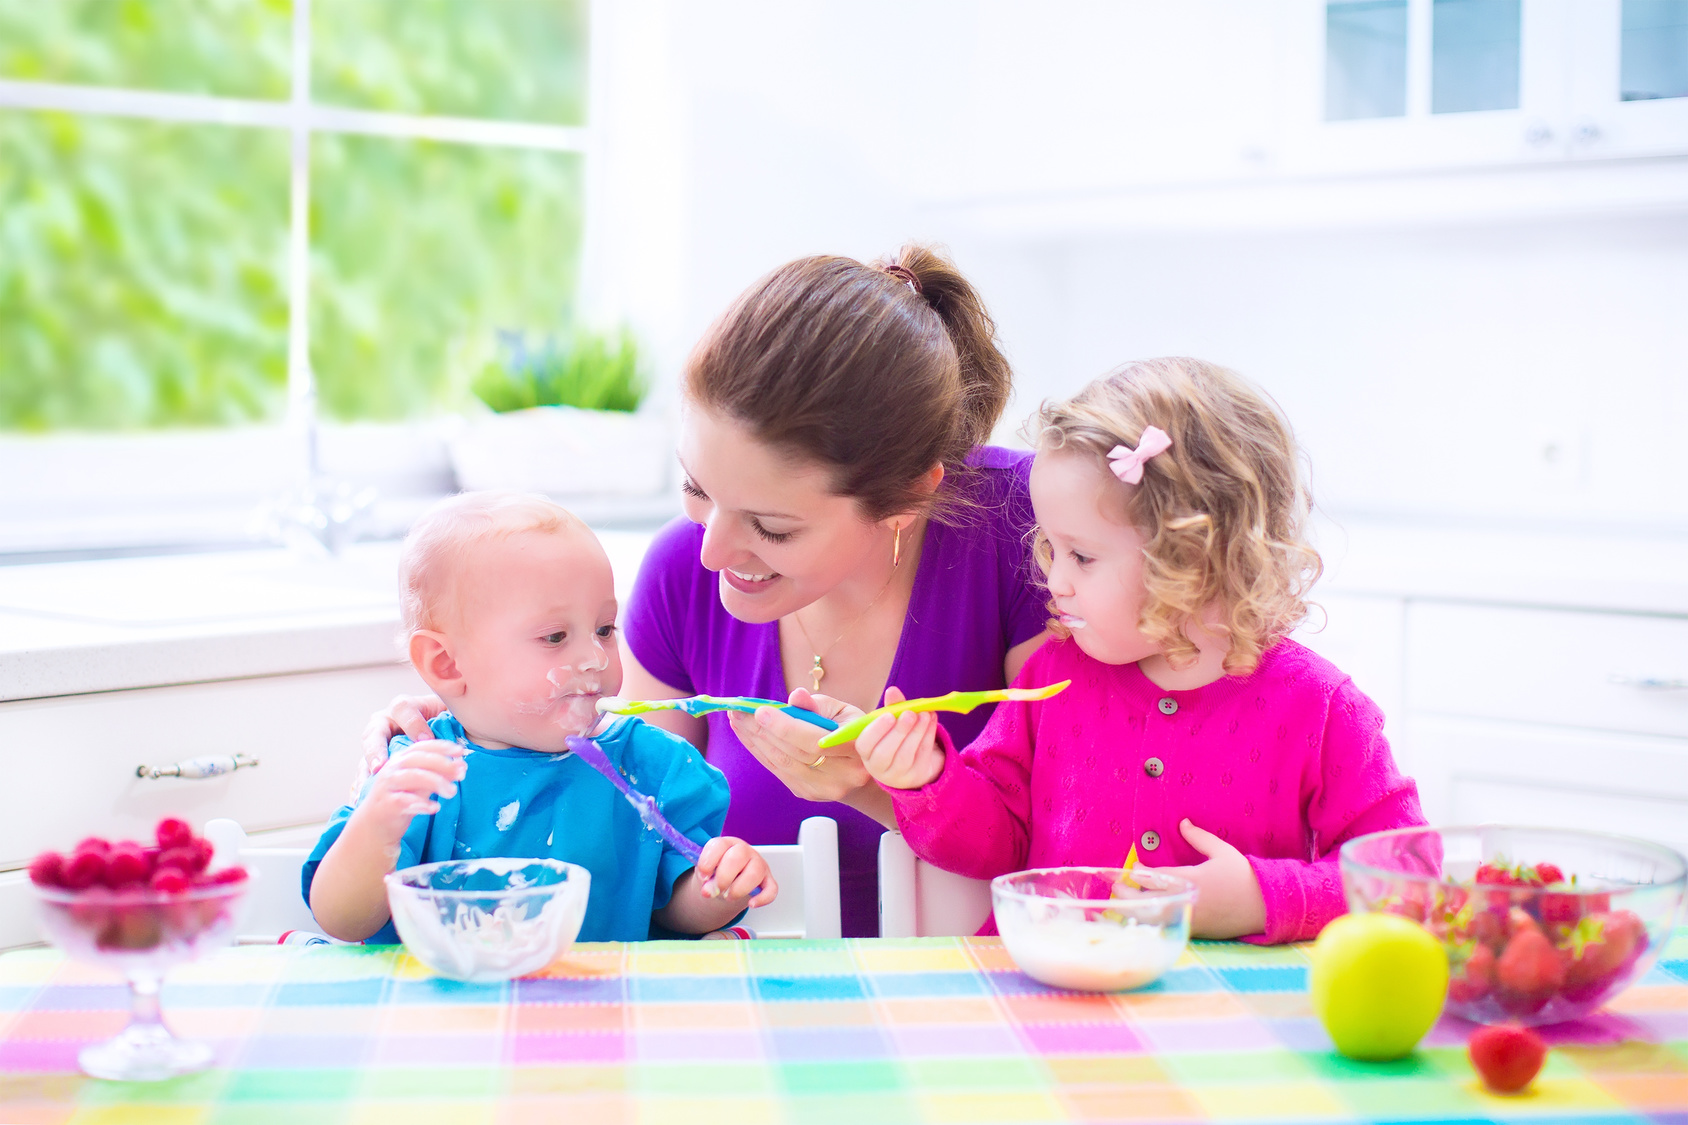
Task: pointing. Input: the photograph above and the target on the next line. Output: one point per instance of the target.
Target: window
(1655, 50)
(1365, 59)
(217, 212)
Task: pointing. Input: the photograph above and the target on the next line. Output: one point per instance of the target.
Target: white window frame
(77, 494)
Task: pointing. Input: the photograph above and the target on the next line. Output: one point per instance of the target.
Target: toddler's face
(533, 635)
(1096, 577)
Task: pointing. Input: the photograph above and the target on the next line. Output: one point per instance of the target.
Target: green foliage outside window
(143, 265)
(591, 370)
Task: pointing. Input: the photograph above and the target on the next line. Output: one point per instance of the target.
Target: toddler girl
(1170, 518)
(509, 610)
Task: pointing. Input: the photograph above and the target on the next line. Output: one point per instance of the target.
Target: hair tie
(907, 276)
(1127, 464)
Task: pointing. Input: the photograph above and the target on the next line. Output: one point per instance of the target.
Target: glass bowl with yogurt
(1085, 928)
(488, 919)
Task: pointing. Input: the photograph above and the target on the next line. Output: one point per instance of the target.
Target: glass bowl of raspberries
(1541, 925)
(139, 908)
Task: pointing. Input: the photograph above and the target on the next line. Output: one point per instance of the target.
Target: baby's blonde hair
(444, 535)
(1224, 509)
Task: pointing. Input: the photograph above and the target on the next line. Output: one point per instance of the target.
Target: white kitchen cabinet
(1413, 85)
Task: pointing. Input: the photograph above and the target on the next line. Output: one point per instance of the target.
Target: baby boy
(509, 608)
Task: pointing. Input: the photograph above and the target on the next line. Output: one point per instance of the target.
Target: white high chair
(917, 899)
(275, 905)
(807, 873)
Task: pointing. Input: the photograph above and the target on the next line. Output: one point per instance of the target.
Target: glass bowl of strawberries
(139, 909)
(1541, 925)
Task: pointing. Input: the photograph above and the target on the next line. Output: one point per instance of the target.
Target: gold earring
(897, 550)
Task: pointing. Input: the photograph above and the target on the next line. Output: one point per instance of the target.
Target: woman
(845, 530)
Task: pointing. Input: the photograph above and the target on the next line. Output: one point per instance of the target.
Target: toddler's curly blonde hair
(1224, 510)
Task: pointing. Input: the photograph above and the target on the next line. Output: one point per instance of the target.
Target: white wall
(1523, 369)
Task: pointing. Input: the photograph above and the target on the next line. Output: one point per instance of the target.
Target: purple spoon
(593, 755)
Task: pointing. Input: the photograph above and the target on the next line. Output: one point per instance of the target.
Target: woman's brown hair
(878, 372)
(1224, 510)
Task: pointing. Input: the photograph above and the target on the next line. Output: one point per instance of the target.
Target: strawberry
(1476, 978)
(1494, 875)
(84, 869)
(47, 870)
(1488, 927)
(1529, 971)
(1507, 1057)
(1560, 909)
(124, 865)
(1601, 947)
(173, 833)
(1549, 874)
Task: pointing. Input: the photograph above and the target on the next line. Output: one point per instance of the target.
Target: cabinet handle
(1650, 683)
(199, 767)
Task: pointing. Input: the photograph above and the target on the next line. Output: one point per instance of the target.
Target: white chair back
(807, 873)
(275, 904)
(917, 899)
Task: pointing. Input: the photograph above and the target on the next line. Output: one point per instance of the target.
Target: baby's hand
(901, 751)
(731, 869)
(407, 785)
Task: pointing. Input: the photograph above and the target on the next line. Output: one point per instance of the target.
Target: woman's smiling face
(773, 529)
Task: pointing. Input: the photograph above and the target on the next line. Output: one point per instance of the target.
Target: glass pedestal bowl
(1524, 954)
(1080, 928)
(141, 934)
(488, 919)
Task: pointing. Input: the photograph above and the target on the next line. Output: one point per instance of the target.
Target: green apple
(1378, 983)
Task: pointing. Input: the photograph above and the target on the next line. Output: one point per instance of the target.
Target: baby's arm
(723, 883)
(348, 896)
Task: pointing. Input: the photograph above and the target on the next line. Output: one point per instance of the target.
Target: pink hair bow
(1127, 464)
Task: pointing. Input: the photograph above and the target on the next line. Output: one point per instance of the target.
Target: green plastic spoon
(959, 701)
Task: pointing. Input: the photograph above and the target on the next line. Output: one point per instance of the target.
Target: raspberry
(84, 869)
(47, 870)
(169, 880)
(93, 844)
(224, 876)
(126, 864)
(190, 858)
(173, 833)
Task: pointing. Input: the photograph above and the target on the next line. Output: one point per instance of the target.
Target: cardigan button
(1154, 767)
(1169, 706)
(1150, 840)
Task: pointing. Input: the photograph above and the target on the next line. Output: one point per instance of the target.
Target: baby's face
(533, 635)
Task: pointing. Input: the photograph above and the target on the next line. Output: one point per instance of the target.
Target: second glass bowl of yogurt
(1083, 928)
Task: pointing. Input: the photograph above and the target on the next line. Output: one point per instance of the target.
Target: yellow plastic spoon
(958, 701)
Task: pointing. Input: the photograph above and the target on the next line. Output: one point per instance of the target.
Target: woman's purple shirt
(977, 594)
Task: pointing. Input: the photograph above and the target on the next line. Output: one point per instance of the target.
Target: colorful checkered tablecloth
(862, 1032)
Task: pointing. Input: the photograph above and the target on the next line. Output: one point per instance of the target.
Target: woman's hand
(901, 751)
(1229, 903)
(406, 714)
(790, 747)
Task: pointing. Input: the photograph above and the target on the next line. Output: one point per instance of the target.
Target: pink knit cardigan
(1285, 764)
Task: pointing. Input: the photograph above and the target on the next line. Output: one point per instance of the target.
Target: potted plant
(564, 419)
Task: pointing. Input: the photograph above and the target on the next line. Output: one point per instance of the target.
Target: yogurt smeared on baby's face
(530, 646)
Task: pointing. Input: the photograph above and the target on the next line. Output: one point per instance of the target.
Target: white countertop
(69, 628)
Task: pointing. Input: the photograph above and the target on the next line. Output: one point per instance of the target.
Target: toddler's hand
(1229, 903)
(729, 868)
(407, 785)
(901, 751)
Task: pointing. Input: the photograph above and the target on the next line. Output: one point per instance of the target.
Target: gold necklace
(818, 673)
